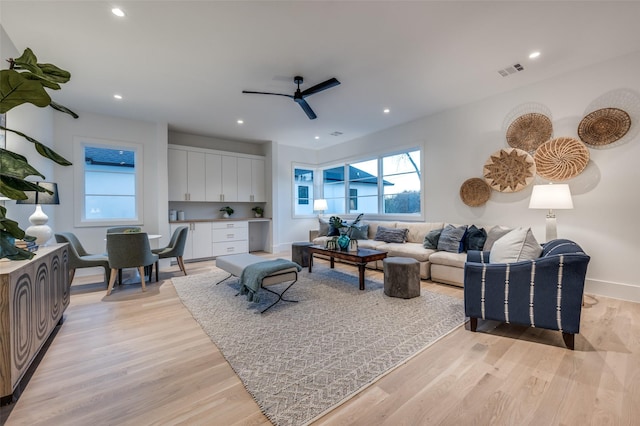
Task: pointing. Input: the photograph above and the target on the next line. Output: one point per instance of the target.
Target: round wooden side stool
(401, 277)
(300, 254)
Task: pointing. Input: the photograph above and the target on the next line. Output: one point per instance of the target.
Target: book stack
(26, 245)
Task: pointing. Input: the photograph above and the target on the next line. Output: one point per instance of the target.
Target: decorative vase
(226, 215)
(344, 240)
(258, 215)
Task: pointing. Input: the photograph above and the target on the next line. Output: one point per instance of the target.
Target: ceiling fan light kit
(299, 96)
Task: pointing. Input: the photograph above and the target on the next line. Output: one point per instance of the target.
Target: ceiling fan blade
(320, 87)
(306, 108)
(267, 93)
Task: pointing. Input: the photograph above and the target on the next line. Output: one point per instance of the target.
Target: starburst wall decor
(509, 170)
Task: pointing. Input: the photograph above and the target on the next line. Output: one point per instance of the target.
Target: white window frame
(313, 189)
(79, 179)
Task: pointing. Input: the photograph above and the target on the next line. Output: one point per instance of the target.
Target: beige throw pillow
(515, 246)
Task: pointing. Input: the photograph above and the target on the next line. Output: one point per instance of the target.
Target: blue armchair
(545, 292)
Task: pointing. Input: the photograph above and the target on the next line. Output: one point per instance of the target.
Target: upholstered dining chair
(129, 250)
(175, 248)
(123, 229)
(79, 258)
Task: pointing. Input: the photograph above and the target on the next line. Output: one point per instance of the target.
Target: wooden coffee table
(360, 257)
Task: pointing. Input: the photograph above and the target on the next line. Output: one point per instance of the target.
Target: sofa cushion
(370, 244)
(417, 230)
(517, 245)
(451, 238)
(493, 235)
(431, 239)
(391, 235)
(412, 250)
(475, 238)
(448, 259)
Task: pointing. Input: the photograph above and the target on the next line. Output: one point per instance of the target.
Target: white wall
(458, 142)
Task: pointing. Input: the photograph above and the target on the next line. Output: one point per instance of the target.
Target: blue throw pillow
(359, 232)
(475, 238)
(452, 239)
(431, 239)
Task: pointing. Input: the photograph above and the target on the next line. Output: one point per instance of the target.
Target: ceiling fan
(299, 96)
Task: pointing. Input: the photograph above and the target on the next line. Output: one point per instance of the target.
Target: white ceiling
(187, 62)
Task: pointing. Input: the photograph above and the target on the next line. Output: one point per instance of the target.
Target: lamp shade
(551, 196)
(37, 197)
(320, 205)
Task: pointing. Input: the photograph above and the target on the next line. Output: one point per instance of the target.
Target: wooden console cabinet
(33, 296)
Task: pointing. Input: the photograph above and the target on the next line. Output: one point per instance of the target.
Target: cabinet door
(244, 179)
(177, 173)
(213, 177)
(258, 181)
(195, 176)
(229, 178)
(202, 242)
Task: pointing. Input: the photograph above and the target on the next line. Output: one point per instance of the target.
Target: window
(110, 183)
(303, 191)
(401, 182)
(390, 184)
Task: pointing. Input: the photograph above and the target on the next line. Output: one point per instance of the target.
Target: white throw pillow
(515, 246)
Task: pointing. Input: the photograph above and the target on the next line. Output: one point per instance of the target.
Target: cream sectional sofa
(439, 266)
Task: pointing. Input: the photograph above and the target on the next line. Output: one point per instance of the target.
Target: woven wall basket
(475, 192)
(509, 170)
(561, 158)
(529, 131)
(604, 126)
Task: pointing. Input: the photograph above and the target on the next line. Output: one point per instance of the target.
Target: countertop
(231, 219)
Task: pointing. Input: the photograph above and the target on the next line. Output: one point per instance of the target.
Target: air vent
(511, 70)
(336, 133)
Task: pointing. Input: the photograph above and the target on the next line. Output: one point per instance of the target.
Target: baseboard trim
(614, 290)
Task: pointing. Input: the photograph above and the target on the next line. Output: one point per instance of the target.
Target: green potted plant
(228, 211)
(258, 211)
(25, 82)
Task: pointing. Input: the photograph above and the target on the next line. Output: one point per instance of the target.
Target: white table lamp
(551, 197)
(320, 205)
(39, 219)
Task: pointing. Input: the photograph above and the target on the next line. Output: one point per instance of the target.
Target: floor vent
(511, 70)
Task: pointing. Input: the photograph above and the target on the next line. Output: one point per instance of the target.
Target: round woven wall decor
(509, 170)
(604, 126)
(561, 158)
(475, 192)
(529, 131)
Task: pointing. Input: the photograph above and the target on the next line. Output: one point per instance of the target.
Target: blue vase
(344, 241)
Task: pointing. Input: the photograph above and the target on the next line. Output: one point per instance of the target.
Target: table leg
(361, 275)
(332, 262)
(310, 261)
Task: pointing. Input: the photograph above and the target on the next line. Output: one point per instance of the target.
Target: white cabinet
(186, 170)
(198, 174)
(251, 180)
(230, 237)
(199, 241)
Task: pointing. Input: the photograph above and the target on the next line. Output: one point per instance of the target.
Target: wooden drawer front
(231, 247)
(231, 225)
(230, 234)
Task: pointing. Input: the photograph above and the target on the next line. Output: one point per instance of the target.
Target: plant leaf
(15, 165)
(16, 90)
(62, 108)
(55, 74)
(49, 72)
(10, 251)
(44, 150)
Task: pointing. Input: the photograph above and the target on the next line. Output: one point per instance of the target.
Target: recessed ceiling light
(317, 137)
(117, 11)
(117, 97)
(240, 121)
(386, 111)
(534, 55)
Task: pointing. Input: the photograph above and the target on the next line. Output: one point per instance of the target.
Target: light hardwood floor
(140, 359)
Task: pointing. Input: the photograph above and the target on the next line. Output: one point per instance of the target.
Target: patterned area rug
(299, 360)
